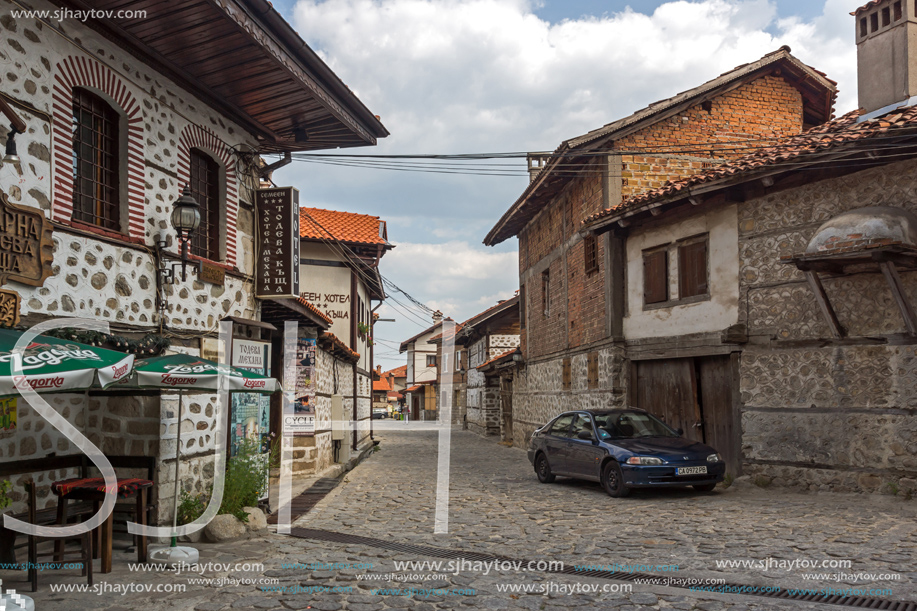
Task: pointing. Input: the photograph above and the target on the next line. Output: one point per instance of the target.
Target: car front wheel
(704, 487)
(613, 480)
(543, 469)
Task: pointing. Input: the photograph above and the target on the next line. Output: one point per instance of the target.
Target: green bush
(191, 507)
(246, 475)
(5, 500)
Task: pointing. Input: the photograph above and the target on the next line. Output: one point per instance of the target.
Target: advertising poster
(250, 412)
(8, 414)
(300, 419)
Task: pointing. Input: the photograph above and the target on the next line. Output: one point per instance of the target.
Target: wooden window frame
(692, 288)
(206, 185)
(590, 254)
(546, 292)
(567, 374)
(651, 296)
(592, 370)
(433, 357)
(97, 198)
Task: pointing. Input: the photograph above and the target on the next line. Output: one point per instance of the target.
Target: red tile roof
(397, 372)
(382, 385)
(842, 133)
(309, 306)
(339, 345)
(349, 227)
(868, 6)
(818, 102)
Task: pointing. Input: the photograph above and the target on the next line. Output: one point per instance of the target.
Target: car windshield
(631, 425)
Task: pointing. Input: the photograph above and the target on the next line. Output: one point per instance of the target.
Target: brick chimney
(886, 35)
(536, 163)
(437, 316)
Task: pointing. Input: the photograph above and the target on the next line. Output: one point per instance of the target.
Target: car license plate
(690, 470)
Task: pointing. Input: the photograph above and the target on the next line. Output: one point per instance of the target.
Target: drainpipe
(268, 169)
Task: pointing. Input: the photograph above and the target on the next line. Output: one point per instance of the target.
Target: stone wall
(820, 414)
(538, 393)
(111, 276)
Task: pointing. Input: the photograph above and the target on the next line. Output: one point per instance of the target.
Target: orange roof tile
(309, 306)
(381, 385)
(843, 132)
(349, 227)
(397, 372)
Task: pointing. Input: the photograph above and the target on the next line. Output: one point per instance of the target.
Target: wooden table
(93, 489)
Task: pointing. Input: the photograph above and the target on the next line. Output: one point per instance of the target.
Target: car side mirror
(680, 431)
(584, 435)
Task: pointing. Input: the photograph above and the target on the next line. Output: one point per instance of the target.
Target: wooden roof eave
(259, 23)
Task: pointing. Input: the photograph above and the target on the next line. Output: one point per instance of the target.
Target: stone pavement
(498, 507)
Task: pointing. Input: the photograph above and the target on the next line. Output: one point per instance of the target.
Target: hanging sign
(277, 263)
(26, 247)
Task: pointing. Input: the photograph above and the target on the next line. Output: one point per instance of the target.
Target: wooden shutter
(692, 269)
(655, 277)
(592, 369)
(567, 374)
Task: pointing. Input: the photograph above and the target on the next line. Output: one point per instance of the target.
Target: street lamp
(11, 156)
(186, 217)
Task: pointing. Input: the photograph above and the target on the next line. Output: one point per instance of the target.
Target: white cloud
(489, 75)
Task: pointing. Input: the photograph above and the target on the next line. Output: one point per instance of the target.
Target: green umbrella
(185, 372)
(50, 364)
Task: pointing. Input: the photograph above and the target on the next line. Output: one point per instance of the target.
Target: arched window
(205, 187)
(96, 169)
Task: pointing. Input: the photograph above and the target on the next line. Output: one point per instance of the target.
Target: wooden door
(506, 408)
(667, 388)
(717, 391)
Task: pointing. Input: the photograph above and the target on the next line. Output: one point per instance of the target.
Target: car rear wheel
(543, 470)
(704, 487)
(613, 480)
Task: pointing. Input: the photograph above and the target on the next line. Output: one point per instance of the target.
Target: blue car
(622, 449)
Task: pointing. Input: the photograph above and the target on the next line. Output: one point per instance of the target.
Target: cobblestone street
(498, 507)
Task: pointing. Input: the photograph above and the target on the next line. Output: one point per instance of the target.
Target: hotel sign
(277, 263)
(26, 247)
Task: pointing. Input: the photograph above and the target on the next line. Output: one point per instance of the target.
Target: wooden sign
(9, 308)
(26, 247)
(277, 263)
(213, 274)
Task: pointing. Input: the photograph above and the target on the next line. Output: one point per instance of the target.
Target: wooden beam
(825, 305)
(894, 283)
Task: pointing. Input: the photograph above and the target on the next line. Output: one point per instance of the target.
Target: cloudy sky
(472, 76)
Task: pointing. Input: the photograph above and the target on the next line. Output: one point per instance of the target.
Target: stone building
(120, 114)
(485, 339)
(768, 301)
(577, 322)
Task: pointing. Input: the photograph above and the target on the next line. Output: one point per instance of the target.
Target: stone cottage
(815, 345)
(120, 115)
(581, 329)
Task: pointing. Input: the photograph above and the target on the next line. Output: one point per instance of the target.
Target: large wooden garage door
(668, 389)
(716, 376)
(694, 394)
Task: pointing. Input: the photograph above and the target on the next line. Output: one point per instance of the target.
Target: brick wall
(760, 111)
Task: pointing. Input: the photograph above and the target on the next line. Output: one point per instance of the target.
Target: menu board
(277, 263)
